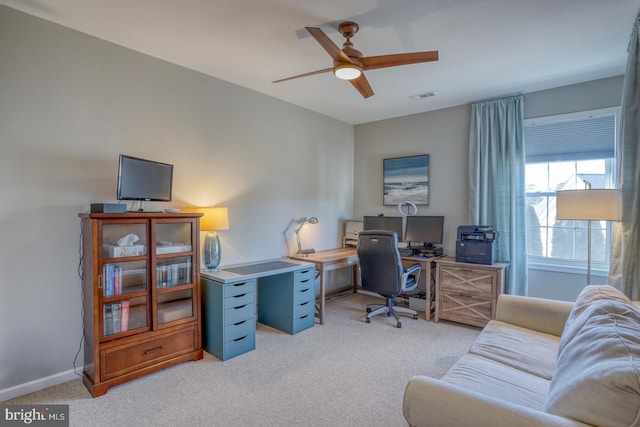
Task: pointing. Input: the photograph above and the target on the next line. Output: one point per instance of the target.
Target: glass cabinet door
(123, 278)
(175, 263)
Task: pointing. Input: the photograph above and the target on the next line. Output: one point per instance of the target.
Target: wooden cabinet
(141, 294)
(467, 293)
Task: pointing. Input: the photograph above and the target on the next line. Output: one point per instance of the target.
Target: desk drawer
(465, 309)
(307, 274)
(239, 300)
(304, 295)
(240, 329)
(121, 360)
(303, 322)
(239, 346)
(239, 288)
(304, 308)
(469, 281)
(238, 314)
(303, 284)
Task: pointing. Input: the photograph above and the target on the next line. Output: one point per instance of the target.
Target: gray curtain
(624, 272)
(496, 181)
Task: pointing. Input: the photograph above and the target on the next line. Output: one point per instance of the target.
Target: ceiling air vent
(424, 95)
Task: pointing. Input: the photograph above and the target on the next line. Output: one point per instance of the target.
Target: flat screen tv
(389, 223)
(424, 230)
(144, 180)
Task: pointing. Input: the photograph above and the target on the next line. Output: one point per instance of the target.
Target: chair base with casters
(390, 309)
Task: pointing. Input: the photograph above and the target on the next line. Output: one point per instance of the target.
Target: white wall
(444, 135)
(69, 104)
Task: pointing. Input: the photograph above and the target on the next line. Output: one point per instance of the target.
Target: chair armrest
(411, 268)
(538, 314)
(434, 403)
(414, 270)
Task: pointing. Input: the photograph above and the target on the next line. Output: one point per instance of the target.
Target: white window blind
(583, 138)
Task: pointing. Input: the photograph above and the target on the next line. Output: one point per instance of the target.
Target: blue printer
(476, 244)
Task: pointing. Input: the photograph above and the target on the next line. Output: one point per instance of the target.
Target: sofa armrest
(431, 402)
(538, 314)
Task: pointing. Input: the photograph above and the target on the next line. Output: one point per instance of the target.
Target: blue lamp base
(211, 252)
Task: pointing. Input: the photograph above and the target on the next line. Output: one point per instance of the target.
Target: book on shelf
(173, 274)
(107, 319)
(115, 308)
(115, 317)
(112, 278)
(124, 315)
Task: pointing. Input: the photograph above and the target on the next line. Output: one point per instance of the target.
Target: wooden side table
(467, 293)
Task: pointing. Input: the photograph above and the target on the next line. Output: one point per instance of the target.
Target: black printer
(477, 244)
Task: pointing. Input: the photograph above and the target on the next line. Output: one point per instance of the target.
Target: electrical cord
(81, 275)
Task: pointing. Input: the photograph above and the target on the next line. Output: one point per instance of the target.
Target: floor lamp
(588, 205)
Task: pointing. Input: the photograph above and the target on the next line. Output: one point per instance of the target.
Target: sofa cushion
(597, 378)
(502, 382)
(520, 348)
(583, 307)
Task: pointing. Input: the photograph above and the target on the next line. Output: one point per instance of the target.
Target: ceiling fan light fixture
(347, 71)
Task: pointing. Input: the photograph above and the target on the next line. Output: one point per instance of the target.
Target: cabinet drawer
(118, 361)
(307, 274)
(239, 346)
(465, 309)
(303, 284)
(304, 308)
(303, 322)
(239, 300)
(238, 330)
(238, 314)
(239, 288)
(469, 281)
(303, 295)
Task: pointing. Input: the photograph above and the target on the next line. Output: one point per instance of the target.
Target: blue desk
(285, 299)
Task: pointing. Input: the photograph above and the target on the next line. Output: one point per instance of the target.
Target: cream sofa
(541, 363)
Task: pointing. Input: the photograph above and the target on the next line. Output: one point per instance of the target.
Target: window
(564, 153)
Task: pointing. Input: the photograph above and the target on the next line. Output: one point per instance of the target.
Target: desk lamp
(214, 219)
(304, 252)
(588, 205)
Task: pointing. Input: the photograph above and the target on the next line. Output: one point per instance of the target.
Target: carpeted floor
(342, 373)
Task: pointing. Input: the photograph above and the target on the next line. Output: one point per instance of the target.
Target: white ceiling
(488, 48)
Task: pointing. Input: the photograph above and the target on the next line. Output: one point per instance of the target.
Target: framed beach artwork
(406, 178)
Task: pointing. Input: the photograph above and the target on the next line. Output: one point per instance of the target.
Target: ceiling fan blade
(303, 75)
(332, 49)
(383, 61)
(362, 85)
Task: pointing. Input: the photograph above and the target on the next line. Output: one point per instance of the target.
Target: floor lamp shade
(588, 205)
(213, 220)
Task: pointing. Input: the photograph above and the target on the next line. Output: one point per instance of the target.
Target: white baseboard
(36, 385)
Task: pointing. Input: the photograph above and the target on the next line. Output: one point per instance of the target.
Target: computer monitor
(389, 223)
(424, 230)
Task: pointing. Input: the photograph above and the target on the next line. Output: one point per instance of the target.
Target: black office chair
(381, 271)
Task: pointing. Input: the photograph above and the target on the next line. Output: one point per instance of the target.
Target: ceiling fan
(349, 64)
